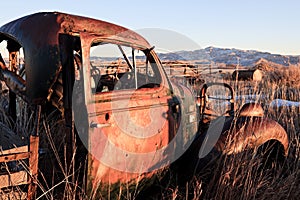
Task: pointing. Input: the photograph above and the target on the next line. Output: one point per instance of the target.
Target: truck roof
(48, 24)
(39, 35)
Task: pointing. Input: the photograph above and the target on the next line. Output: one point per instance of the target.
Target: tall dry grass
(247, 175)
(242, 176)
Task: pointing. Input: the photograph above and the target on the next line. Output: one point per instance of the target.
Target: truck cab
(124, 119)
(110, 89)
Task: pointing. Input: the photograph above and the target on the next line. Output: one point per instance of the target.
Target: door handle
(97, 125)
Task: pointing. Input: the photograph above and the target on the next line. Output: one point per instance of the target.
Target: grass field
(242, 176)
(246, 176)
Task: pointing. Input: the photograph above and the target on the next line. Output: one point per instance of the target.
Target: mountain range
(226, 56)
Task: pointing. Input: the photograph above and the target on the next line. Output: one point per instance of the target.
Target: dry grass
(246, 176)
(242, 176)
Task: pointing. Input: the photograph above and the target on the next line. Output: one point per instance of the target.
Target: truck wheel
(272, 154)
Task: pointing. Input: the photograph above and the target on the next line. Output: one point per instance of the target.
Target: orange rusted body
(131, 127)
(119, 134)
(137, 121)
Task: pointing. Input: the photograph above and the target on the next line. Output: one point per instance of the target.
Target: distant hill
(225, 56)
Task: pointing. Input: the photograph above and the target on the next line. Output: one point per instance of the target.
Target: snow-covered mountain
(231, 56)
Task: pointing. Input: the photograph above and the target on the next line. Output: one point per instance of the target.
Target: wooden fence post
(34, 156)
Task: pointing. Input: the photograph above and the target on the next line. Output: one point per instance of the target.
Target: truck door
(130, 115)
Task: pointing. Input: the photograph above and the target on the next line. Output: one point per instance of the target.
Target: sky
(265, 25)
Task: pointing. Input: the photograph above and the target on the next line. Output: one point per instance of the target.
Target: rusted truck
(115, 101)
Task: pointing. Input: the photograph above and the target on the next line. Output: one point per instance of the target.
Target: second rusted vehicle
(113, 95)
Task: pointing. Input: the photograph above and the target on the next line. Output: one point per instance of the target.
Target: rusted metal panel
(39, 34)
(250, 132)
(115, 131)
(121, 133)
(109, 126)
(251, 109)
(108, 115)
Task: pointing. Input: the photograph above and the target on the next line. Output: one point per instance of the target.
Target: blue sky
(270, 26)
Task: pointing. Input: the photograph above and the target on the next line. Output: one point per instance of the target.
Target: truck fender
(251, 132)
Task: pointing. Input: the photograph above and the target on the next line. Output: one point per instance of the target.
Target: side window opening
(116, 67)
(13, 71)
(13, 81)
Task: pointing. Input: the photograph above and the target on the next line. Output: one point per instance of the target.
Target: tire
(272, 154)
